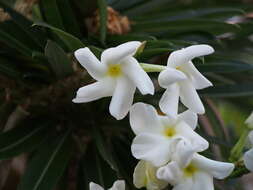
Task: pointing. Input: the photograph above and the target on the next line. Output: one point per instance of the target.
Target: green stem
(152, 68)
(236, 152)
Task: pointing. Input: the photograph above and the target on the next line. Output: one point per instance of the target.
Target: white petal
(94, 186)
(171, 173)
(198, 142)
(89, 61)
(251, 137)
(167, 121)
(185, 55)
(143, 118)
(122, 98)
(94, 91)
(198, 80)
(184, 153)
(138, 76)
(170, 76)
(190, 98)
(202, 179)
(169, 101)
(116, 54)
(152, 148)
(139, 177)
(248, 160)
(145, 176)
(118, 185)
(190, 118)
(219, 170)
(185, 184)
(249, 120)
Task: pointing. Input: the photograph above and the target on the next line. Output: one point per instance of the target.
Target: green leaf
(58, 59)
(149, 53)
(52, 13)
(103, 150)
(118, 39)
(224, 66)
(228, 90)
(14, 30)
(102, 7)
(35, 36)
(71, 41)
(48, 164)
(14, 43)
(214, 13)
(21, 139)
(92, 167)
(9, 70)
(68, 17)
(210, 26)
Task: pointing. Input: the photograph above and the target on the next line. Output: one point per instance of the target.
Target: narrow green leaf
(214, 13)
(210, 26)
(58, 59)
(228, 90)
(93, 167)
(224, 67)
(21, 35)
(68, 18)
(52, 13)
(36, 36)
(9, 70)
(48, 164)
(150, 53)
(102, 7)
(103, 150)
(15, 44)
(21, 139)
(71, 41)
(118, 39)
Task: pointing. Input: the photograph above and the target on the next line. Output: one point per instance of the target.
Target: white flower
(156, 136)
(248, 156)
(145, 176)
(191, 171)
(118, 74)
(181, 79)
(249, 121)
(118, 185)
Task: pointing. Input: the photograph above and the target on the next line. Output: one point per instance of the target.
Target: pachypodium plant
(125, 95)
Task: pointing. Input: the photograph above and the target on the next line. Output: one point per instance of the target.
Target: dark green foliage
(39, 73)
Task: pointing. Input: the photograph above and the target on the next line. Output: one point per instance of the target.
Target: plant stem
(236, 152)
(152, 68)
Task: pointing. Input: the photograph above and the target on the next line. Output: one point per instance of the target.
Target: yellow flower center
(114, 70)
(170, 132)
(190, 170)
(178, 68)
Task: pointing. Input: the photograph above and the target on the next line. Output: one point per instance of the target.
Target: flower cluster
(166, 144)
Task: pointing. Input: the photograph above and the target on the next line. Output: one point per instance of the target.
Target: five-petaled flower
(191, 171)
(157, 135)
(118, 74)
(181, 79)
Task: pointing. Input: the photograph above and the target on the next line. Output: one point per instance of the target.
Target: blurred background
(49, 143)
